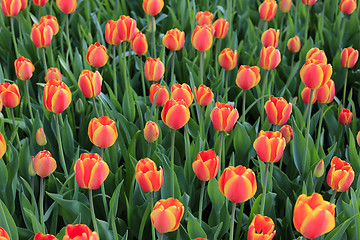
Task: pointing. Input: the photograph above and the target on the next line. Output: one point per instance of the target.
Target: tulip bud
(52, 22)
(66, 6)
(111, 33)
(261, 227)
(151, 132)
(221, 27)
(319, 169)
(174, 39)
(79, 232)
(326, 93)
(23, 5)
(147, 175)
(269, 58)
(309, 2)
(204, 18)
(224, 116)
(9, 94)
(44, 164)
(10, 8)
(102, 132)
(2, 145)
(204, 95)
(154, 69)
(348, 6)
(40, 3)
(294, 44)
(175, 113)
(340, 175)
(40, 236)
(57, 96)
(228, 59)
(287, 133)
(79, 106)
(41, 34)
(305, 95)
(169, 211)
(162, 96)
(345, 116)
(267, 10)
(278, 110)
(53, 74)
(285, 5)
(139, 44)
(24, 68)
(206, 165)
(349, 57)
(247, 77)
(153, 7)
(358, 138)
(315, 74)
(182, 92)
(90, 83)
(316, 54)
(3, 234)
(31, 170)
(96, 55)
(202, 38)
(126, 28)
(41, 137)
(269, 146)
(270, 38)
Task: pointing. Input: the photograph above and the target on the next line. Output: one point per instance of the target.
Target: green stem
(201, 200)
(172, 76)
(322, 22)
(243, 107)
(44, 59)
(152, 207)
(96, 110)
(41, 204)
(226, 85)
(264, 192)
(264, 87)
(52, 55)
(201, 122)
(149, 150)
(13, 36)
(28, 99)
(307, 22)
(153, 104)
(172, 162)
(142, 79)
(15, 127)
(296, 15)
(93, 211)
(103, 193)
(232, 221)
(320, 126)
(114, 72)
(62, 158)
(308, 128)
(217, 47)
(202, 67)
(68, 37)
(153, 36)
(161, 236)
(220, 151)
(345, 84)
(303, 238)
(127, 84)
(332, 199)
(314, 187)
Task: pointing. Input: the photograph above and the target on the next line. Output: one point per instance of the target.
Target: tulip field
(179, 120)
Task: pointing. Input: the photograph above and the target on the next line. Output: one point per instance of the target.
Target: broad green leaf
(194, 229)
(7, 222)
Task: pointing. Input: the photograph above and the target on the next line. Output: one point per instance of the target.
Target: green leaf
(194, 229)
(215, 195)
(353, 155)
(67, 139)
(3, 175)
(338, 232)
(7, 222)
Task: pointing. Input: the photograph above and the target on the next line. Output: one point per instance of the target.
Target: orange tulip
(154, 69)
(261, 227)
(66, 6)
(305, 95)
(285, 5)
(57, 96)
(206, 165)
(2, 146)
(40, 3)
(52, 22)
(345, 116)
(247, 77)
(221, 27)
(151, 132)
(224, 116)
(348, 6)
(96, 55)
(326, 93)
(316, 54)
(90, 83)
(319, 169)
(269, 58)
(278, 110)
(202, 38)
(287, 133)
(3, 234)
(204, 95)
(41, 137)
(10, 8)
(270, 38)
(147, 175)
(309, 2)
(24, 68)
(153, 7)
(313, 216)
(294, 44)
(349, 57)
(40, 236)
(166, 215)
(126, 28)
(228, 59)
(139, 44)
(9, 94)
(44, 164)
(182, 92)
(79, 232)
(174, 39)
(41, 34)
(53, 74)
(162, 97)
(111, 33)
(102, 132)
(315, 74)
(204, 18)
(175, 113)
(238, 184)
(267, 10)
(269, 146)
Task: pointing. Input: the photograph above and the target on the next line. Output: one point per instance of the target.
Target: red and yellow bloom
(147, 175)
(309, 2)
(345, 116)
(52, 22)
(154, 69)
(2, 146)
(96, 55)
(41, 34)
(79, 232)
(267, 10)
(348, 6)
(166, 215)
(90, 83)
(43, 164)
(204, 18)
(224, 116)
(40, 3)
(162, 97)
(202, 38)
(270, 38)
(57, 96)
(203, 95)
(66, 6)
(326, 93)
(221, 27)
(102, 132)
(294, 44)
(247, 77)
(152, 7)
(206, 165)
(269, 58)
(278, 110)
(24, 68)
(40, 236)
(316, 54)
(287, 133)
(315, 74)
(349, 57)
(285, 5)
(183, 92)
(139, 44)
(269, 146)
(175, 113)
(10, 8)
(3, 234)
(126, 28)
(151, 131)
(305, 96)
(9, 94)
(111, 33)
(228, 59)
(261, 228)
(174, 39)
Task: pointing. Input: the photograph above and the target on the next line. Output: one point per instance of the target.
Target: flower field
(179, 119)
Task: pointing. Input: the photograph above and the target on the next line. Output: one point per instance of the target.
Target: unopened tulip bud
(151, 132)
(319, 169)
(44, 164)
(348, 6)
(305, 95)
(287, 133)
(153, 7)
(31, 170)
(23, 68)
(345, 116)
(349, 57)
(269, 58)
(228, 59)
(285, 5)
(53, 74)
(79, 106)
(270, 38)
(294, 44)
(96, 55)
(221, 27)
(41, 137)
(204, 18)
(267, 10)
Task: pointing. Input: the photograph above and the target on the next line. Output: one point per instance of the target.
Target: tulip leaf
(129, 106)
(36, 226)
(338, 232)
(24, 158)
(3, 175)
(353, 155)
(67, 139)
(194, 229)
(298, 146)
(7, 222)
(242, 144)
(215, 195)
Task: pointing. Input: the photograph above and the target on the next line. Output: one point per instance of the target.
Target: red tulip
(147, 175)
(24, 68)
(166, 215)
(228, 59)
(221, 27)
(267, 10)
(202, 38)
(224, 116)
(139, 44)
(326, 93)
(79, 232)
(53, 74)
(162, 97)
(41, 137)
(285, 5)
(287, 133)
(2, 148)
(269, 58)
(316, 54)
(270, 38)
(269, 146)
(349, 57)
(174, 39)
(56, 97)
(44, 164)
(348, 6)
(151, 131)
(40, 3)
(41, 34)
(102, 132)
(204, 95)
(153, 7)
(182, 92)
(10, 8)
(261, 228)
(111, 33)
(315, 74)
(206, 165)
(90, 83)
(40, 236)
(247, 77)
(66, 6)
(96, 55)
(175, 113)
(319, 169)
(9, 94)
(3, 234)
(126, 28)
(294, 44)
(204, 18)
(345, 116)
(309, 2)
(305, 95)
(278, 110)
(154, 69)
(52, 22)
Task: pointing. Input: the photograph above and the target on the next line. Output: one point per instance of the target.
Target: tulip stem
(15, 127)
(114, 72)
(320, 126)
(303, 238)
(264, 87)
(264, 192)
(152, 207)
(345, 84)
(201, 123)
(154, 101)
(296, 15)
(153, 36)
(28, 99)
(13, 36)
(232, 221)
(322, 23)
(220, 152)
(41, 204)
(216, 57)
(93, 211)
(226, 85)
(201, 200)
(332, 199)
(201, 67)
(172, 162)
(44, 59)
(161, 236)
(62, 158)
(142, 78)
(20, 32)
(68, 37)
(308, 128)
(314, 187)
(103, 193)
(307, 22)
(243, 107)
(172, 68)
(96, 110)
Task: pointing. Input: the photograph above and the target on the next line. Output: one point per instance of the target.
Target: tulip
(102, 132)
(166, 215)
(147, 175)
(294, 44)
(269, 58)
(206, 165)
(247, 77)
(151, 132)
(174, 39)
(270, 38)
(316, 54)
(200, 239)
(278, 110)
(57, 96)
(91, 171)
(358, 138)
(41, 34)
(41, 137)
(319, 169)
(90, 83)
(162, 97)
(44, 164)
(326, 93)
(126, 28)
(204, 18)
(309, 2)
(2, 146)
(267, 10)
(53, 74)
(305, 96)
(349, 57)
(238, 184)
(182, 92)
(221, 27)
(96, 55)
(204, 95)
(348, 6)
(315, 74)
(66, 6)
(285, 5)
(10, 8)
(287, 133)
(345, 116)
(111, 33)
(9, 94)
(23, 5)
(40, 3)
(228, 59)
(139, 44)
(261, 227)
(313, 216)
(154, 69)
(3, 234)
(202, 38)
(269, 146)
(175, 113)
(79, 232)
(224, 116)
(153, 7)
(1, 105)
(24, 68)
(40, 236)
(52, 22)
